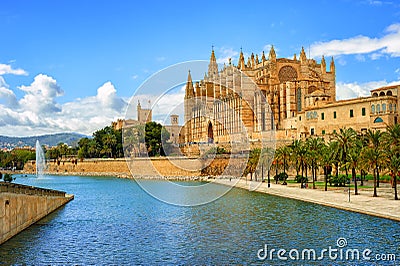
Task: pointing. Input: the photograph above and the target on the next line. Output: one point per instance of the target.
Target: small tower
(332, 66)
(189, 93)
(241, 64)
(174, 120)
(263, 59)
(323, 65)
(303, 57)
(212, 66)
(272, 54)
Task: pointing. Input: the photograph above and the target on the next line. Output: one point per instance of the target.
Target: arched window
(373, 109)
(389, 93)
(378, 120)
(383, 107)
(382, 93)
(378, 108)
(390, 107)
(375, 94)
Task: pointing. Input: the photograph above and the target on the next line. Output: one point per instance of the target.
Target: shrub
(281, 177)
(8, 178)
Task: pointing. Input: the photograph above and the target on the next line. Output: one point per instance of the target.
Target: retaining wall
(22, 206)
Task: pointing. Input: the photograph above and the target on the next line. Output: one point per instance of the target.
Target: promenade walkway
(382, 206)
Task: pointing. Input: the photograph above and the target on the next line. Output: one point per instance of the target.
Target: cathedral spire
(332, 66)
(213, 66)
(263, 59)
(272, 54)
(241, 64)
(189, 87)
(323, 65)
(303, 57)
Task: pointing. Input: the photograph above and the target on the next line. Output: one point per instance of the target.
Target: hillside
(49, 139)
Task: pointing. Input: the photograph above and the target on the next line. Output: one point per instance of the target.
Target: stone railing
(29, 190)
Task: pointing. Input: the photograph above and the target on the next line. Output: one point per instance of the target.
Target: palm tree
(296, 147)
(315, 145)
(392, 141)
(393, 163)
(345, 140)
(353, 158)
(375, 141)
(327, 159)
(266, 158)
(282, 155)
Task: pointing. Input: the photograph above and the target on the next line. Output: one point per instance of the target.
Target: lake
(113, 221)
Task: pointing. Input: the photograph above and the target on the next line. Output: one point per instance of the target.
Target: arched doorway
(210, 133)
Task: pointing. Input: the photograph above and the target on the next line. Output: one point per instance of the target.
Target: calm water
(113, 222)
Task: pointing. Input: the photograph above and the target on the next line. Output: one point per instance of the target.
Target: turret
(189, 93)
(323, 65)
(212, 66)
(332, 66)
(272, 54)
(241, 64)
(263, 59)
(303, 57)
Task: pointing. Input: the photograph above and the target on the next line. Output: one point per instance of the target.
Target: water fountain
(40, 160)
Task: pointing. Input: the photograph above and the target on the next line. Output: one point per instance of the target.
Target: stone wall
(21, 206)
(172, 166)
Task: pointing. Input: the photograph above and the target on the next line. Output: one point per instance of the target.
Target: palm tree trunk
(375, 194)
(337, 170)
(313, 175)
(395, 187)
(362, 177)
(326, 177)
(377, 176)
(353, 175)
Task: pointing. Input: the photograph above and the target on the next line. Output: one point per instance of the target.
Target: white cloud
(7, 96)
(224, 53)
(40, 95)
(354, 89)
(38, 111)
(388, 44)
(7, 69)
(107, 96)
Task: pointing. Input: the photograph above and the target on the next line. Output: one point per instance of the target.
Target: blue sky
(73, 65)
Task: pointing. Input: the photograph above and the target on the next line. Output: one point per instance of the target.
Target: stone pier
(22, 206)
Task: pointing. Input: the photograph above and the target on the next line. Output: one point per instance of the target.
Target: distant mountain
(50, 140)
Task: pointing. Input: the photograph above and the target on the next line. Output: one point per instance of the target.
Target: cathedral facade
(289, 98)
(260, 95)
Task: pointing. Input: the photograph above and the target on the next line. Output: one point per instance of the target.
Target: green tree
(327, 160)
(392, 147)
(315, 146)
(252, 162)
(353, 161)
(283, 155)
(373, 153)
(345, 139)
(154, 135)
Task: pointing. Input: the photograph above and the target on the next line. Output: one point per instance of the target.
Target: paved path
(382, 206)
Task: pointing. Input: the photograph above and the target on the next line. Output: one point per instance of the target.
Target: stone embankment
(22, 206)
(138, 167)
